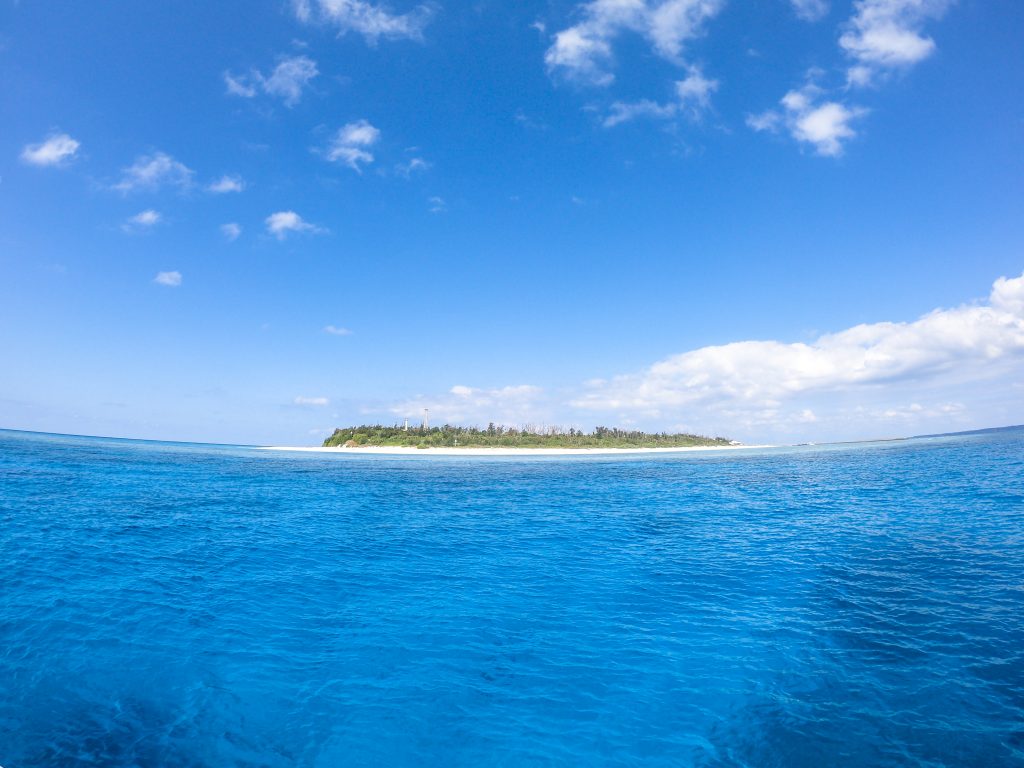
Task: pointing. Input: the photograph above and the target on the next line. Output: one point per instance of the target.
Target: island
(499, 436)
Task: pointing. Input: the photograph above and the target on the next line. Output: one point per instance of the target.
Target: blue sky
(781, 220)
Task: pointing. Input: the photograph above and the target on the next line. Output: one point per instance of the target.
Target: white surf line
(411, 451)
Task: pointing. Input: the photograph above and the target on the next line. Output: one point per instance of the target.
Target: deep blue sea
(179, 605)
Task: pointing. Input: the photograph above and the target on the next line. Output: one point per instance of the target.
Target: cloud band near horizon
(869, 377)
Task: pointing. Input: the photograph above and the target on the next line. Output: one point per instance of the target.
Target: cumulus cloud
(168, 279)
(318, 402)
(884, 35)
(583, 52)
(283, 223)
(955, 368)
(810, 10)
(231, 231)
(151, 172)
(142, 220)
(823, 124)
(351, 145)
(758, 380)
(518, 404)
(373, 21)
(56, 150)
(226, 184)
(287, 81)
(692, 99)
(1008, 295)
(335, 330)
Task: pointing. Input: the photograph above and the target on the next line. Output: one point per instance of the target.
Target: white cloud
(142, 220)
(151, 172)
(226, 184)
(56, 150)
(886, 34)
(287, 80)
(318, 402)
(764, 121)
(693, 99)
(810, 10)
(282, 223)
(241, 85)
(624, 112)
(370, 20)
(825, 125)
(335, 330)
(231, 231)
(168, 279)
(880, 37)
(1008, 296)
(506, 405)
(583, 52)
(413, 166)
(950, 369)
(915, 411)
(694, 91)
(437, 204)
(760, 382)
(351, 145)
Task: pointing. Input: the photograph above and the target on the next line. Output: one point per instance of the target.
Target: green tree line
(500, 436)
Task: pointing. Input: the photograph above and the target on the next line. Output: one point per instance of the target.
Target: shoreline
(411, 451)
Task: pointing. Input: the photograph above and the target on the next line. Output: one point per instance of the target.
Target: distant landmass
(496, 436)
(986, 431)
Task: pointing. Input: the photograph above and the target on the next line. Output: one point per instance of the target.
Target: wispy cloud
(461, 404)
(413, 166)
(287, 81)
(231, 231)
(437, 204)
(225, 184)
(810, 10)
(242, 85)
(373, 21)
(168, 279)
(335, 330)
(283, 223)
(825, 125)
(55, 151)
(583, 52)
(692, 100)
(142, 220)
(151, 172)
(316, 402)
(351, 145)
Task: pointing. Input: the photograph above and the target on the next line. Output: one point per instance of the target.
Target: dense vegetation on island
(495, 436)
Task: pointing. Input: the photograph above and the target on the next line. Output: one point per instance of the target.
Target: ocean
(166, 604)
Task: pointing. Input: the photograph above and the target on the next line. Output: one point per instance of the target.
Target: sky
(777, 221)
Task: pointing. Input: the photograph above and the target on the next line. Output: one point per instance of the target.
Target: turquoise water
(190, 605)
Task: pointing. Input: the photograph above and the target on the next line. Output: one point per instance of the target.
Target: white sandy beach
(402, 451)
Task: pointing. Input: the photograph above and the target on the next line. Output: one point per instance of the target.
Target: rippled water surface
(167, 604)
